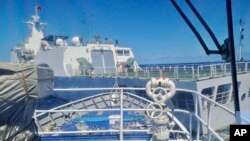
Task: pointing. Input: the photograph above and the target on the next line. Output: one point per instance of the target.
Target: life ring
(156, 89)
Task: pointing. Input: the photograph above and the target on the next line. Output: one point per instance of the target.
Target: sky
(152, 28)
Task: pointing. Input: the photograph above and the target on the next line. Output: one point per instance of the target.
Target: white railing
(196, 96)
(121, 130)
(182, 73)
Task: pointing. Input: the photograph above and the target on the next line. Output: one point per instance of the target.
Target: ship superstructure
(78, 58)
(25, 52)
(74, 58)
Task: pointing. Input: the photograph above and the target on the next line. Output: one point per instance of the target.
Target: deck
(51, 123)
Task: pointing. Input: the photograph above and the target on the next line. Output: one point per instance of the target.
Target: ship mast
(241, 39)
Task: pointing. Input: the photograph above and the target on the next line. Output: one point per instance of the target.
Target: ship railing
(53, 115)
(174, 72)
(195, 72)
(204, 122)
(205, 109)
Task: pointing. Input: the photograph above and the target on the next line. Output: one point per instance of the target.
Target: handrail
(189, 72)
(127, 88)
(121, 131)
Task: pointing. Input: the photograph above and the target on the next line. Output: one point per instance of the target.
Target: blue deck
(95, 121)
(144, 137)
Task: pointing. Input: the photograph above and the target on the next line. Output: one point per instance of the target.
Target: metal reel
(154, 110)
(114, 98)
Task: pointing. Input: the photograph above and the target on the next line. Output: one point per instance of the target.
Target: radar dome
(59, 42)
(76, 41)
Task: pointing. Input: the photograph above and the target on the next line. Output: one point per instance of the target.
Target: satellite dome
(76, 41)
(59, 42)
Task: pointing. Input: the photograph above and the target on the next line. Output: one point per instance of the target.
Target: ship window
(208, 92)
(6, 72)
(249, 92)
(183, 100)
(126, 53)
(223, 93)
(243, 97)
(119, 52)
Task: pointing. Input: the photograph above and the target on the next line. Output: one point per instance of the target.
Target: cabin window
(243, 97)
(249, 92)
(183, 100)
(6, 72)
(119, 52)
(208, 92)
(223, 92)
(126, 53)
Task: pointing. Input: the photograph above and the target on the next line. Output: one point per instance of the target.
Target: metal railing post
(211, 71)
(190, 126)
(225, 69)
(198, 131)
(198, 72)
(193, 73)
(215, 70)
(245, 67)
(176, 69)
(196, 107)
(121, 116)
(208, 121)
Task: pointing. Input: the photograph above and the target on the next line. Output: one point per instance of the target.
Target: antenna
(36, 13)
(36, 17)
(241, 38)
(106, 40)
(97, 38)
(116, 42)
